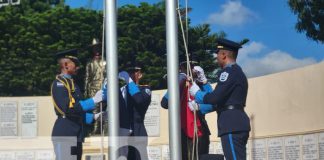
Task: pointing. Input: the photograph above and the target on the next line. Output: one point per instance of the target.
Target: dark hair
(131, 71)
(232, 54)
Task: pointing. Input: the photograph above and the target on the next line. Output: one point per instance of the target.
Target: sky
(274, 45)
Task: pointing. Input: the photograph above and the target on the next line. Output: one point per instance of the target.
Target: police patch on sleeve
(223, 77)
(148, 91)
(59, 84)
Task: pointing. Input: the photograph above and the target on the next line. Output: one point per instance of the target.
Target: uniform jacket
(71, 124)
(137, 105)
(231, 89)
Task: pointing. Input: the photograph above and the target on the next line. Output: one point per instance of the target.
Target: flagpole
(173, 84)
(112, 68)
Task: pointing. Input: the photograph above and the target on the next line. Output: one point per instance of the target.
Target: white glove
(200, 74)
(123, 75)
(193, 106)
(98, 97)
(98, 115)
(194, 89)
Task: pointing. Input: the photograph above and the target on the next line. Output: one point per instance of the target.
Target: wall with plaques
(286, 111)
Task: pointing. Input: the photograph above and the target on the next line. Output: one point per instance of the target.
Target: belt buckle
(230, 107)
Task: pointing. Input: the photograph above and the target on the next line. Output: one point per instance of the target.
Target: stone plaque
(8, 119)
(45, 155)
(292, 148)
(165, 152)
(259, 149)
(154, 153)
(310, 150)
(211, 148)
(7, 155)
(28, 114)
(95, 157)
(218, 148)
(25, 155)
(152, 117)
(275, 149)
(321, 145)
(248, 148)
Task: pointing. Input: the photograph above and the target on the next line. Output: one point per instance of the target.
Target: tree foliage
(310, 15)
(33, 31)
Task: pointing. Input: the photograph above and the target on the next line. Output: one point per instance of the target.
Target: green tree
(310, 14)
(141, 31)
(31, 33)
(201, 41)
(141, 38)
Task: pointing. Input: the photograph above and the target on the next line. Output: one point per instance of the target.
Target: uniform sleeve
(142, 98)
(207, 88)
(164, 101)
(89, 118)
(206, 108)
(222, 90)
(61, 98)
(87, 104)
(132, 88)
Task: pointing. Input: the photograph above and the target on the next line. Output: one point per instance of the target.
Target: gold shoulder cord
(70, 90)
(55, 105)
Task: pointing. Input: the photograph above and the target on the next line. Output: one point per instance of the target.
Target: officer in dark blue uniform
(138, 99)
(228, 99)
(203, 140)
(72, 112)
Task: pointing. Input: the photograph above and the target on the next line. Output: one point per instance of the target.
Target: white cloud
(232, 13)
(251, 49)
(275, 61)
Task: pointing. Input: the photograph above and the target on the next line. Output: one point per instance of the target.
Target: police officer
(203, 141)
(138, 99)
(186, 138)
(72, 112)
(228, 99)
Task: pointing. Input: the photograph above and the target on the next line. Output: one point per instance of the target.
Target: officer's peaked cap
(134, 66)
(227, 45)
(70, 54)
(192, 63)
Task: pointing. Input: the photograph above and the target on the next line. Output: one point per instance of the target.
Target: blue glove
(123, 75)
(104, 90)
(182, 77)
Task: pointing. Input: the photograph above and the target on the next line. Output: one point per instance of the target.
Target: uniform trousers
(234, 145)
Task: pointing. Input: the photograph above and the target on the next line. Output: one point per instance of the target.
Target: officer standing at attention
(138, 99)
(228, 99)
(72, 112)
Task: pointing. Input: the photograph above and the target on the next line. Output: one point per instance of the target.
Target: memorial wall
(286, 111)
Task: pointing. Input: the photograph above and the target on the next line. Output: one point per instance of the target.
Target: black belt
(60, 116)
(72, 118)
(231, 107)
